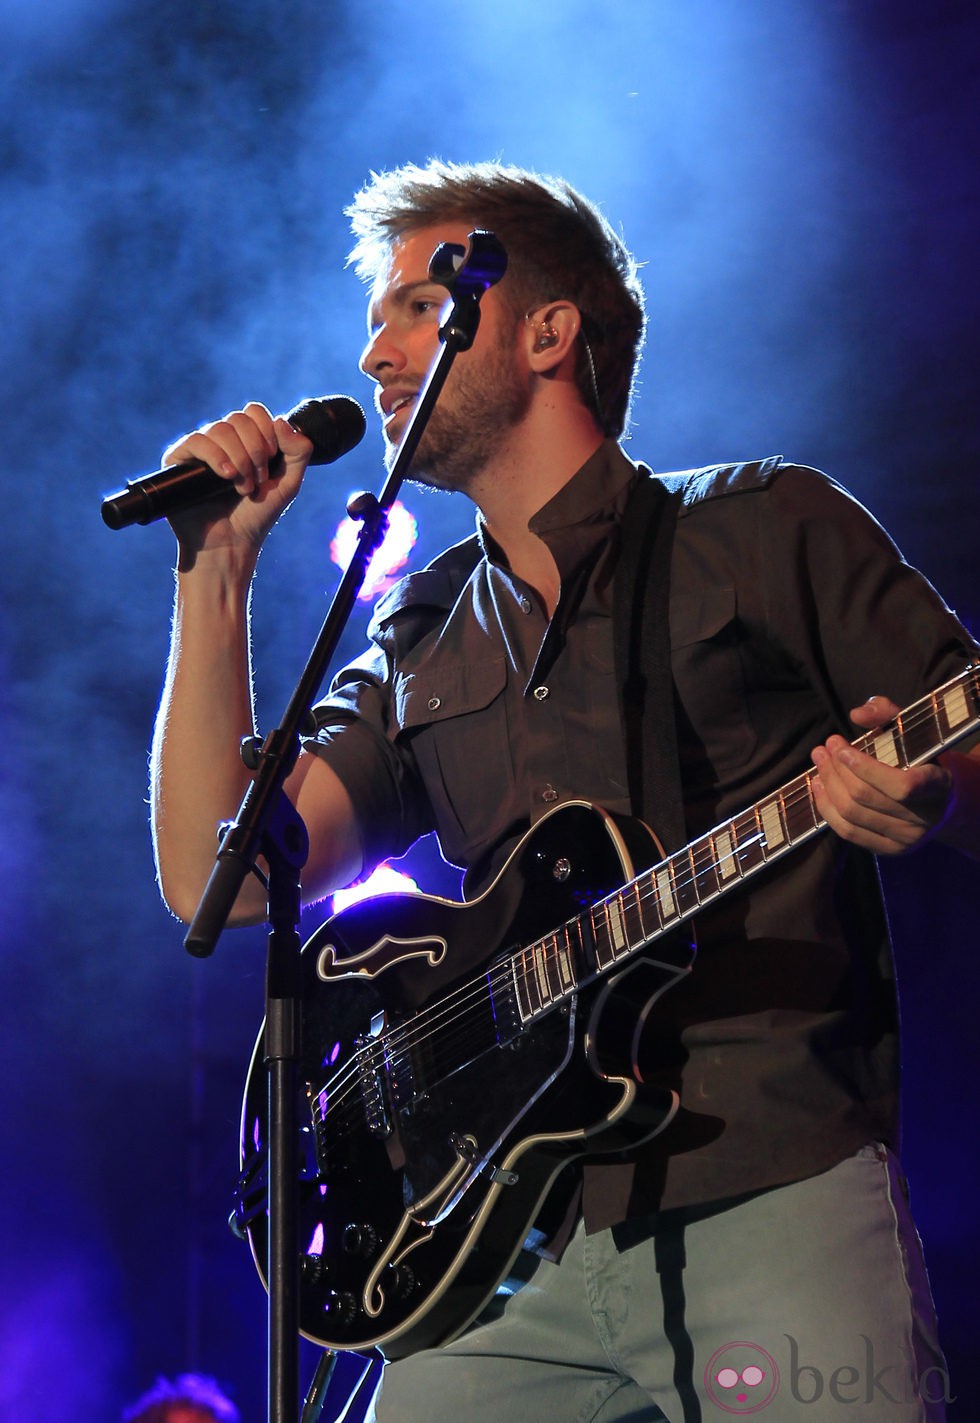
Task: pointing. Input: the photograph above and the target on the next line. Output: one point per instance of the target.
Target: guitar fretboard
(588, 946)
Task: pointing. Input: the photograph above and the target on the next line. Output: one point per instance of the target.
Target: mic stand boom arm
(267, 824)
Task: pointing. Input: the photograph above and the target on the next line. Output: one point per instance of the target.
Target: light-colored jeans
(808, 1302)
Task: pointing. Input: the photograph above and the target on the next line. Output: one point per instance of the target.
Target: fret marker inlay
(772, 824)
(725, 851)
(666, 893)
(957, 709)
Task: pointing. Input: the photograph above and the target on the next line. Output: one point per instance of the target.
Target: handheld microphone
(335, 425)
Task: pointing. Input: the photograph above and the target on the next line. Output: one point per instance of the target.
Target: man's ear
(551, 333)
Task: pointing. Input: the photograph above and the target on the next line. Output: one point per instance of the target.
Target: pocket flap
(421, 698)
(696, 617)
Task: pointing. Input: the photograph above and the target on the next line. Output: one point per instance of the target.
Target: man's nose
(381, 354)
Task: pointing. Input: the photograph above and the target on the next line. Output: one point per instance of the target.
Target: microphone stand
(267, 824)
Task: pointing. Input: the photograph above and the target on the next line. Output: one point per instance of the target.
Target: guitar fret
(525, 984)
(633, 920)
(704, 870)
(607, 933)
(571, 951)
(799, 810)
(515, 978)
(540, 956)
(921, 735)
(686, 890)
(673, 890)
(532, 980)
(700, 858)
(749, 842)
(544, 972)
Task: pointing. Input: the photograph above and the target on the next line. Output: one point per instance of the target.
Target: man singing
(766, 622)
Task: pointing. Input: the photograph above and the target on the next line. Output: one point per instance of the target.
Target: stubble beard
(477, 410)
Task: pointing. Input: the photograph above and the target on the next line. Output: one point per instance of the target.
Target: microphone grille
(335, 424)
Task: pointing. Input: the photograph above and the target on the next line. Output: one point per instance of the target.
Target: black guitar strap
(642, 651)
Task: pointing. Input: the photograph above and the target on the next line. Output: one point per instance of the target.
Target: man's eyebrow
(400, 297)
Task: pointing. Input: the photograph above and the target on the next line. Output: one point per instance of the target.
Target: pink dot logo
(741, 1378)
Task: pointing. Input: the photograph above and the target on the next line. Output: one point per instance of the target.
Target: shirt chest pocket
(454, 721)
(709, 673)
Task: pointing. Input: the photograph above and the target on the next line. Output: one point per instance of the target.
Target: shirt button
(435, 703)
(549, 794)
(524, 604)
(541, 694)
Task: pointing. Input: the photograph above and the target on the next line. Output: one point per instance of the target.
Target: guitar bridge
(371, 1074)
(385, 1076)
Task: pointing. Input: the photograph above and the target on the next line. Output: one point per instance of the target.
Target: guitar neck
(632, 918)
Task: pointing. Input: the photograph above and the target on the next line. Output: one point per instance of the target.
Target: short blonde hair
(559, 247)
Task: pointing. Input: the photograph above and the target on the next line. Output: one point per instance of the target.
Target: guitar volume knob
(340, 1307)
(360, 1240)
(400, 1280)
(314, 1269)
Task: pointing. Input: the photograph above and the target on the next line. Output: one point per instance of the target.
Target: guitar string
(403, 1039)
(645, 893)
(698, 859)
(398, 1044)
(701, 857)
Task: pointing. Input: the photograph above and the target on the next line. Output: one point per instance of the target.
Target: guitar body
(450, 1073)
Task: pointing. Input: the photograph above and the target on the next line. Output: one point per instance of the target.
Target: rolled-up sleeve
(355, 736)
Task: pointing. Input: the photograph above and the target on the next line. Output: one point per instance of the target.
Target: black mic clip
(467, 272)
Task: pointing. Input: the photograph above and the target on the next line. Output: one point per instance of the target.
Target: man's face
(487, 391)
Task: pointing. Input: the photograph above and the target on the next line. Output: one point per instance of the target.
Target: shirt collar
(595, 495)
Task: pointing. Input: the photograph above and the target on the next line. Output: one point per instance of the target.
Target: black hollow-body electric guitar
(457, 1056)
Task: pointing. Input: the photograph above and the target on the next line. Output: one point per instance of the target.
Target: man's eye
(421, 305)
